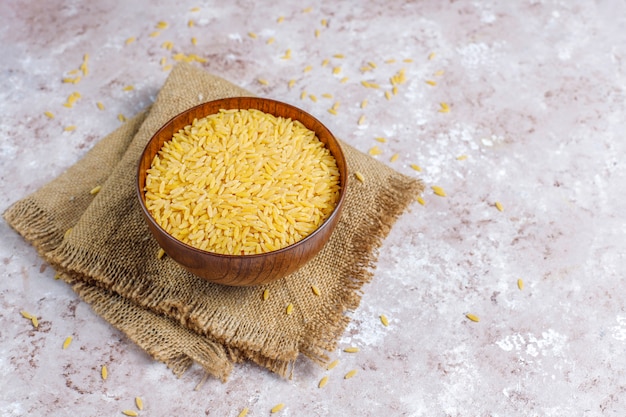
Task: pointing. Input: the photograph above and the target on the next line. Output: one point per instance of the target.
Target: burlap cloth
(109, 256)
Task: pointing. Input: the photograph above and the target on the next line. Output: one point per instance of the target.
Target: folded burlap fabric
(109, 256)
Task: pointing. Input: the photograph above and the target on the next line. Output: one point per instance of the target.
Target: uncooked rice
(242, 182)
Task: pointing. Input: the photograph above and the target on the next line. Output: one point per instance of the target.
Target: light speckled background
(536, 90)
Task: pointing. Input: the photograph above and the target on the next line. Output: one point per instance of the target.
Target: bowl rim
(336, 210)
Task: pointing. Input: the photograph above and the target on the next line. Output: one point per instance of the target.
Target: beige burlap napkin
(102, 247)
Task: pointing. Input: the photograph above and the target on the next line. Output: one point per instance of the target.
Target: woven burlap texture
(109, 256)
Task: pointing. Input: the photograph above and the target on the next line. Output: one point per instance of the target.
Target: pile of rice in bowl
(242, 182)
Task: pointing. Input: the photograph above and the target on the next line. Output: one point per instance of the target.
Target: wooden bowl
(242, 270)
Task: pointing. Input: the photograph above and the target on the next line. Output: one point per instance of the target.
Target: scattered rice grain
(252, 35)
(291, 83)
(277, 408)
(70, 128)
(190, 23)
(263, 81)
(388, 95)
(289, 309)
(461, 157)
(162, 25)
(67, 342)
(270, 41)
(438, 190)
(160, 253)
(266, 294)
(49, 114)
(431, 82)
(100, 105)
(131, 413)
(431, 56)
(350, 374)
(499, 206)
(359, 176)
(421, 200)
(95, 190)
(313, 98)
(520, 284)
(472, 317)
(323, 382)
(139, 403)
(364, 104)
(332, 364)
(104, 372)
(315, 290)
(121, 117)
(130, 40)
(384, 320)
(375, 150)
(307, 68)
(351, 349)
(243, 412)
(361, 120)
(394, 157)
(344, 80)
(280, 19)
(26, 315)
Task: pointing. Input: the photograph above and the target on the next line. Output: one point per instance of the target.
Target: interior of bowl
(273, 107)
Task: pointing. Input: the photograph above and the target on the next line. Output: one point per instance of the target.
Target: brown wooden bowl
(242, 270)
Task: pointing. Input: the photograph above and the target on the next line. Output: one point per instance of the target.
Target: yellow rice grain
(365, 69)
(420, 200)
(416, 167)
(74, 80)
(336, 104)
(266, 294)
(388, 95)
(243, 412)
(160, 253)
(438, 190)
(67, 233)
(332, 111)
(327, 95)
(49, 114)
(444, 107)
(313, 98)
(167, 45)
(317, 33)
(520, 284)
(303, 95)
(270, 41)
(35, 321)
(408, 60)
(277, 408)
(375, 150)
(337, 70)
(361, 119)
(431, 56)
(351, 349)
(339, 56)
(104, 372)
(359, 176)
(121, 117)
(287, 54)
(70, 128)
(190, 23)
(162, 25)
(280, 19)
(461, 157)
(431, 82)
(499, 206)
(128, 88)
(307, 68)
(307, 10)
(323, 382)
(315, 290)
(195, 9)
(130, 40)
(73, 72)
(364, 103)
(384, 320)
(325, 62)
(372, 64)
(390, 61)
(67, 342)
(344, 80)
(252, 35)
(194, 41)
(472, 317)
(380, 139)
(332, 364)
(263, 81)
(95, 190)
(230, 172)
(324, 22)
(167, 68)
(154, 34)
(350, 374)
(439, 73)
(26, 315)
(139, 403)
(394, 157)
(291, 83)
(131, 413)
(289, 309)
(100, 105)
(57, 276)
